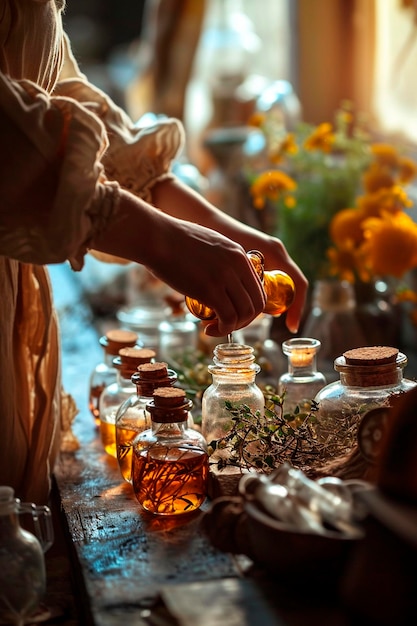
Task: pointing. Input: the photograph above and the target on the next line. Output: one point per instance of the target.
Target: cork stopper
(130, 358)
(169, 397)
(373, 355)
(169, 404)
(372, 366)
(118, 338)
(150, 376)
(153, 371)
(136, 356)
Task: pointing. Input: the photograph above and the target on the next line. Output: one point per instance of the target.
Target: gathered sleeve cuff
(136, 157)
(54, 196)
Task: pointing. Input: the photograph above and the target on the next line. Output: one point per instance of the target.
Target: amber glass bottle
(104, 372)
(278, 286)
(115, 394)
(170, 460)
(132, 417)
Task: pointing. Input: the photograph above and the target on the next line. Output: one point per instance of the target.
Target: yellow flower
(385, 154)
(285, 147)
(377, 176)
(345, 261)
(391, 244)
(322, 138)
(391, 199)
(407, 170)
(347, 225)
(271, 185)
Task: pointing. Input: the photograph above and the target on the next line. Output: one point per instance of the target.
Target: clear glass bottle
(132, 417)
(369, 377)
(178, 332)
(268, 354)
(170, 461)
(333, 321)
(116, 393)
(22, 565)
(233, 372)
(302, 381)
(104, 372)
(278, 286)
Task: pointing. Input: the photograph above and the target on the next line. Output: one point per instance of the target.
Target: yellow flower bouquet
(338, 200)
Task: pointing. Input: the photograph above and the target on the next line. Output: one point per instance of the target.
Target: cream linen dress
(66, 150)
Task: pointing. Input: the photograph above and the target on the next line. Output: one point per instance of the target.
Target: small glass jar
(234, 380)
(278, 286)
(302, 381)
(22, 564)
(104, 372)
(170, 461)
(132, 416)
(369, 377)
(116, 393)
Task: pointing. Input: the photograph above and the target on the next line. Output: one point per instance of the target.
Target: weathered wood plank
(126, 555)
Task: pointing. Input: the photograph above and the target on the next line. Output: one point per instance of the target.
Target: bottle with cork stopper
(278, 286)
(104, 373)
(302, 381)
(126, 364)
(170, 461)
(132, 417)
(369, 378)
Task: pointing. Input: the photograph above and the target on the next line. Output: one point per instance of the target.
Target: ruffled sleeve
(54, 197)
(136, 157)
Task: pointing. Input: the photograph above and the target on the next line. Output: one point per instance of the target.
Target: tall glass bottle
(132, 417)
(116, 393)
(104, 372)
(233, 372)
(333, 321)
(22, 565)
(278, 286)
(302, 381)
(170, 461)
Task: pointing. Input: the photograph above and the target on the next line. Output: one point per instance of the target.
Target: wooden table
(114, 565)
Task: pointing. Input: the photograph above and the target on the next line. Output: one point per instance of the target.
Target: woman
(77, 175)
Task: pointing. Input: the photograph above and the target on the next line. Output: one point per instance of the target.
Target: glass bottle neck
(124, 380)
(302, 369)
(108, 360)
(9, 524)
(170, 429)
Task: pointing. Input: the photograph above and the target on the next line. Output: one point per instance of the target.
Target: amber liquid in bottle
(125, 434)
(278, 286)
(107, 435)
(169, 481)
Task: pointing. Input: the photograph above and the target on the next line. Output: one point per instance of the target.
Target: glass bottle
(105, 373)
(369, 377)
(170, 461)
(116, 393)
(233, 372)
(22, 565)
(302, 381)
(278, 286)
(178, 332)
(132, 417)
(333, 321)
